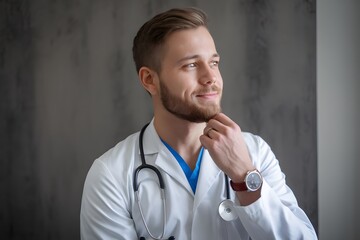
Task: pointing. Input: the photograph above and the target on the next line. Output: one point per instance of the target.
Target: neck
(181, 135)
(178, 132)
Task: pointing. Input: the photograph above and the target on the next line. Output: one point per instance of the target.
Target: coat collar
(164, 159)
(151, 140)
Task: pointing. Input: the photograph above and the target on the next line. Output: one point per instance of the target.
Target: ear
(148, 79)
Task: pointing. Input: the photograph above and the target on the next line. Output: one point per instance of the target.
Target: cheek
(179, 83)
(220, 81)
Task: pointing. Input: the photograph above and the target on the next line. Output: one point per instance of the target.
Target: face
(190, 83)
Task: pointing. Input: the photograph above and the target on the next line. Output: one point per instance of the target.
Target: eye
(214, 63)
(190, 65)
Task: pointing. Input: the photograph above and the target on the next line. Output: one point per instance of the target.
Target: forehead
(189, 42)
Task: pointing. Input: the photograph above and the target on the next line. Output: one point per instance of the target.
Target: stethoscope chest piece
(227, 211)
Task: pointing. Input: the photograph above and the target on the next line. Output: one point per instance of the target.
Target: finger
(216, 125)
(205, 141)
(207, 129)
(222, 123)
(221, 117)
(211, 132)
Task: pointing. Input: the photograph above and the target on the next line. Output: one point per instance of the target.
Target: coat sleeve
(104, 214)
(276, 214)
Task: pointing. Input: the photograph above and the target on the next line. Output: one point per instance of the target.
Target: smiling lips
(207, 95)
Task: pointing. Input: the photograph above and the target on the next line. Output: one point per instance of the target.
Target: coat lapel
(209, 173)
(164, 159)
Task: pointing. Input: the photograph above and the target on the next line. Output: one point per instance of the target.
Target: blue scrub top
(192, 176)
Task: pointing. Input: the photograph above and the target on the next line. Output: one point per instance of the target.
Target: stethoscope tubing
(144, 165)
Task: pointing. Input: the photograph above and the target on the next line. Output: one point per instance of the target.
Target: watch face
(253, 181)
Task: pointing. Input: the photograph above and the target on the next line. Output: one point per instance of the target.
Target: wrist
(250, 183)
(238, 174)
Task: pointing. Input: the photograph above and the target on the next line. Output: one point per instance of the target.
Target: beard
(189, 111)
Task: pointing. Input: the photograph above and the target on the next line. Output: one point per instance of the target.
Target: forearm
(246, 198)
(271, 218)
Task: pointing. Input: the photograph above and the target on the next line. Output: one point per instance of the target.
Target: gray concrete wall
(69, 92)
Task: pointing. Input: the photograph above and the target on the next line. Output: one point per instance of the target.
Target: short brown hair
(148, 40)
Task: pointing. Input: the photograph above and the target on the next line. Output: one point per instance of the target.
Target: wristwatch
(253, 181)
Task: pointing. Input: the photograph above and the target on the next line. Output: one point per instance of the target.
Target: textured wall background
(69, 92)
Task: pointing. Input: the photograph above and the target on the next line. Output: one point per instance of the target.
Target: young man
(201, 155)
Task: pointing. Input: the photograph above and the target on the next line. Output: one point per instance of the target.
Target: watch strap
(238, 187)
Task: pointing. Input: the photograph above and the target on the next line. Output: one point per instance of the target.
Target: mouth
(207, 95)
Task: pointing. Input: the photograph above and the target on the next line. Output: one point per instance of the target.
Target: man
(197, 150)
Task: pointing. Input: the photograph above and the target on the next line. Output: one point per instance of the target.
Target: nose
(207, 75)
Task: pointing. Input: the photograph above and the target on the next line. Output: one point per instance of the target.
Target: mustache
(208, 90)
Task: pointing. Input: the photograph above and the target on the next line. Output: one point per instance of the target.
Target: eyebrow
(194, 57)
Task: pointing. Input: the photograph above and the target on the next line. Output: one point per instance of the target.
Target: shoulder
(259, 150)
(254, 142)
(114, 164)
(110, 174)
(121, 153)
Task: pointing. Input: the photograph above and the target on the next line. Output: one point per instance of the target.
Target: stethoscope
(226, 207)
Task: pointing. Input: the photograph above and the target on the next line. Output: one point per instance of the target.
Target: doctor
(201, 155)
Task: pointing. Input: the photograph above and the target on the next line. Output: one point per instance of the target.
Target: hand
(223, 139)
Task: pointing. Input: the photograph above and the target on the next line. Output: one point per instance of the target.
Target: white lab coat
(109, 209)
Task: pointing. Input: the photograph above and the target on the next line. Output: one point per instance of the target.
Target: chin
(203, 116)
